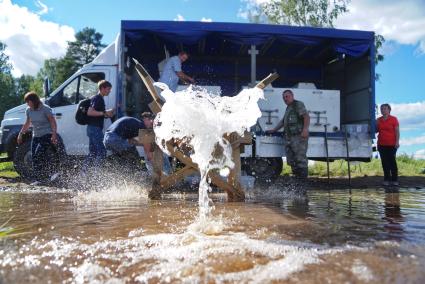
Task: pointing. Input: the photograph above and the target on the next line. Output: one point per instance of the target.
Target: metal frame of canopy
(231, 185)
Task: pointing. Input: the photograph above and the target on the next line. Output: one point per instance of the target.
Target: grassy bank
(6, 169)
(407, 166)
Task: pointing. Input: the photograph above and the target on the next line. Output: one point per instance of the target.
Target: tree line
(86, 46)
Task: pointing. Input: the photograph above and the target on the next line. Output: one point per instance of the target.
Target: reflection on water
(277, 235)
(393, 216)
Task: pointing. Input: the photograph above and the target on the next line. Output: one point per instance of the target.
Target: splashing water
(118, 194)
(201, 120)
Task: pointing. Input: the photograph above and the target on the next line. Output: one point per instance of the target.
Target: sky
(35, 30)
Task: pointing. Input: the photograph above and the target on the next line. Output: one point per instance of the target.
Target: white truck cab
(64, 101)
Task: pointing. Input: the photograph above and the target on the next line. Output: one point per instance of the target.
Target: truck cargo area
(221, 55)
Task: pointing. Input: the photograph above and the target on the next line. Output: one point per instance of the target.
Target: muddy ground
(417, 182)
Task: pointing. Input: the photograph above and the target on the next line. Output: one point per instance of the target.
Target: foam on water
(209, 226)
(187, 257)
(201, 119)
(362, 271)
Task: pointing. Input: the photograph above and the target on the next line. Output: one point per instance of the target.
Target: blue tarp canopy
(219, 51)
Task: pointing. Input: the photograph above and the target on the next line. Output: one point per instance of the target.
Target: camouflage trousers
(296, 155)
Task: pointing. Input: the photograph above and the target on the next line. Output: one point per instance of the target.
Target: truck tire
(263, 168)
(22, 160)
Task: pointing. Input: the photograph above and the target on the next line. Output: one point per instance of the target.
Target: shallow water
(277, 235)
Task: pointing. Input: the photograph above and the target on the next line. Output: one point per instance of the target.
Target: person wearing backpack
(81, 116)
(96, 115)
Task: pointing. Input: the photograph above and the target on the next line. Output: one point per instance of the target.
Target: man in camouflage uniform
(295, 123)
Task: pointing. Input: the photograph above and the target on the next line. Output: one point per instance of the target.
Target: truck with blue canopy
(332, 71)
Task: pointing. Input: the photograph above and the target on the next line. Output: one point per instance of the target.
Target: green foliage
(315, 13)
(7, 170)
(8, 96)
(86, 46)
(5, 66)
(253, 12)
(23, 85)
(57, 70)
(5, 231)
(379, 41)
(81, 51)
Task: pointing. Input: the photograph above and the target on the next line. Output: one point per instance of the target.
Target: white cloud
(248, 7)
(411, 116)
(413, 141)
(179, 18)
(420, 154)
(43, 8)
(400, 21)
(29, 39)
(206, 20)
(255, 2)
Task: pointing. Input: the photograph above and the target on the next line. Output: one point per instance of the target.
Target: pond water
(276, 236)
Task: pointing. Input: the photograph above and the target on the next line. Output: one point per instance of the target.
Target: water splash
(113, 194)
(201, 120)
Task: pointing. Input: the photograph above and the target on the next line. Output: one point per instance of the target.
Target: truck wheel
(263, 168)
(22, 160)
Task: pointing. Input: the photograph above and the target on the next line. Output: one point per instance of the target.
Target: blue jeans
(40, 161)
(116, 143)
(97, 151)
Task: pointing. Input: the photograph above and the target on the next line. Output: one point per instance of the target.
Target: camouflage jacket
(293, 120)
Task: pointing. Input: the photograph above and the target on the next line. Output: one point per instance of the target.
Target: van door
(64, 104)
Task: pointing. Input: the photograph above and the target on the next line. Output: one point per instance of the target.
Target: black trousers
(42, 159)
(389, 164)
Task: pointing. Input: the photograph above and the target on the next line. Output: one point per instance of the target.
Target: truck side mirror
(46, 87)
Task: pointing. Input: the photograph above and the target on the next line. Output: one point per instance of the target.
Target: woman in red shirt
(388, 143)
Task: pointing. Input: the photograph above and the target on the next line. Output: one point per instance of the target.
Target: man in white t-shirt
(173, 71)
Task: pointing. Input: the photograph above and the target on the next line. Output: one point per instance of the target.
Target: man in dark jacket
(120, 139)
(119, 136)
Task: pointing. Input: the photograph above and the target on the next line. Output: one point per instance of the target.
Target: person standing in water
(44, 134)
(173, 71)
(388, 131)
